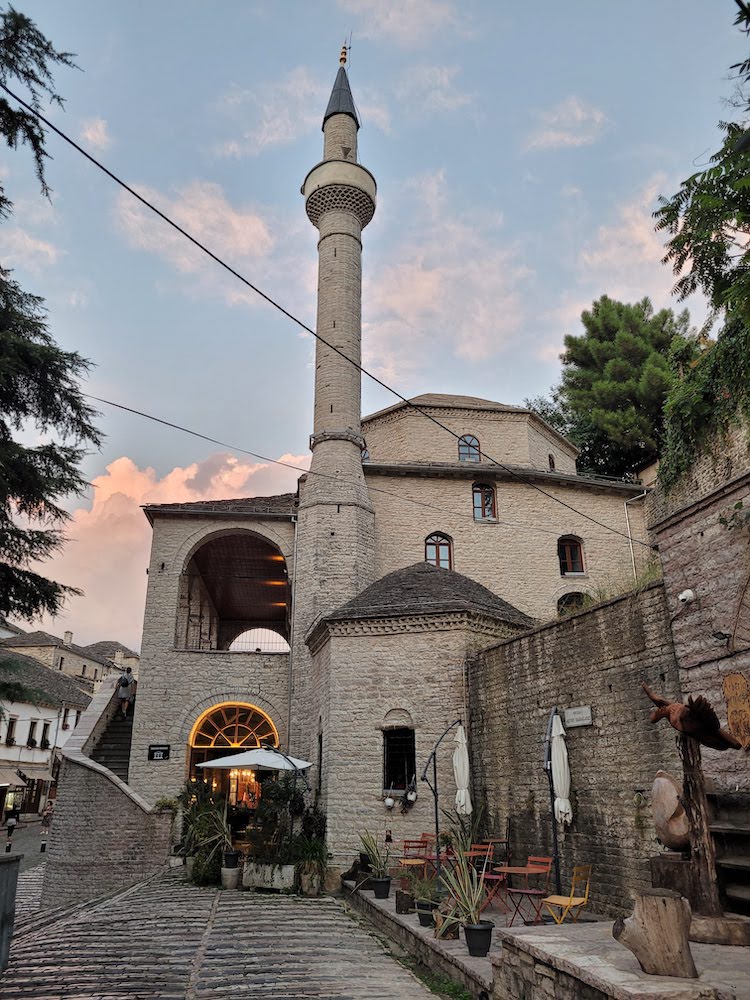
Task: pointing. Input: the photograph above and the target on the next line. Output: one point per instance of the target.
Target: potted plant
(312, 858)
(466, 887)
(272, 865)
(446, 920)
(380, 879)
(426, 897)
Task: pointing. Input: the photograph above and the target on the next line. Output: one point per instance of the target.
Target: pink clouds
(109, 542)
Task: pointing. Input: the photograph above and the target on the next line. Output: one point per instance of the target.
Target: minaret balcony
(338, 185)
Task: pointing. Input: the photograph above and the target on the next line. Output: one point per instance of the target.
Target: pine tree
(39, 387)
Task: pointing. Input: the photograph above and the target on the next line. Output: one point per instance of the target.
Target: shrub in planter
(207, 868)
(466, 888)
(426, 897)
(312, 857)
(379, 857)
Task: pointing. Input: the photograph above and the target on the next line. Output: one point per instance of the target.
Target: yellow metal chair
(575, 902)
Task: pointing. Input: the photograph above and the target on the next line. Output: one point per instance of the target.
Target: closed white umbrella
(259, 757)
(461, 773)
(560, 773)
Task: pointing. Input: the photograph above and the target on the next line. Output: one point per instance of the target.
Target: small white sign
(578, 717)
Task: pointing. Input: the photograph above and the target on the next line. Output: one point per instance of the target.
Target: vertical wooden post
(702, 853)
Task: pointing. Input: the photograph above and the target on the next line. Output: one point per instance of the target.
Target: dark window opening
(319, 785)
(438, 551)
(468, 449)
(570, 554)
(551, 460)
(569, 603)
(399, 759)
(484, 502)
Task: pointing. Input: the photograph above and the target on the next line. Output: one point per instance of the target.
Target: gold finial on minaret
(342, 57)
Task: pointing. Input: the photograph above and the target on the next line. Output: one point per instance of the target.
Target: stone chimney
(68, 638)
(119, 656)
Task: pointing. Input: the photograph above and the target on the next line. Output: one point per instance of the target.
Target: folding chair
(534, 897)
(575, 902)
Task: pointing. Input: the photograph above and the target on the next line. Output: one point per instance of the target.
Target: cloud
(20, 249)
(94, 131)
(407, 23)
(286, 109)
(432, 89)
(572, 122)
(109, 542)
(454, 287)
(202, 209)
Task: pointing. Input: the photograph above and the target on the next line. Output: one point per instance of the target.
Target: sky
(519, 150)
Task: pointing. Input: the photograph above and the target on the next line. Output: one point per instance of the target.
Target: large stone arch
(261, 529)
(277, 713)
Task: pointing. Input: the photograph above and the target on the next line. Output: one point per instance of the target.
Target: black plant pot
(231, 859)
(364, 862)
(381, 886)
(478, 937)
(424, 908)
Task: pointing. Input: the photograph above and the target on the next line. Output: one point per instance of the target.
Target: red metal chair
(534, 897)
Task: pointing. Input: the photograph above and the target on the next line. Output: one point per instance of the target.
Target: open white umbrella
(259, 757)
(560, 773)
(461, 773)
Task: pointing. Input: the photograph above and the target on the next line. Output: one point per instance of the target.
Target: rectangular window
(31, 738)
(78, 716)
(83, 670)
(60, 663)
(10, 736)
(571, 557)
(399, 759)
(45, 736)
(66, 716)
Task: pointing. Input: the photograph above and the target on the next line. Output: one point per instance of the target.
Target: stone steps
(113, 748)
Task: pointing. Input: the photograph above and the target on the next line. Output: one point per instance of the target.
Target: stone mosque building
(336, 622)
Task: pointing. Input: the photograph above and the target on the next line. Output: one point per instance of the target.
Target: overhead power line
(276, 305)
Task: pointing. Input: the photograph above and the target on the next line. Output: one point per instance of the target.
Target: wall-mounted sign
(159, 751)
(573, 717)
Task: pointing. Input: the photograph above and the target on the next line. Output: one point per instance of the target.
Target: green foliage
(466, 887)
(610, 400)
(12, 689)
(39, 388)
(379, 854)
(707, 400)
(207, 868)
(427, 889)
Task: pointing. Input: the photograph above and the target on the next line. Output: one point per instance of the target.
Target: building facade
(336, 622)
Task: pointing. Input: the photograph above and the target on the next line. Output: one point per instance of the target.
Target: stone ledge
(590, 955)
(448, 958)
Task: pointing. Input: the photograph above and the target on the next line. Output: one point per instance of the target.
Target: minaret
(336, 524)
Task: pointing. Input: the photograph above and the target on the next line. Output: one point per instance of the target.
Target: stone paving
(171, 940)
(29, 891)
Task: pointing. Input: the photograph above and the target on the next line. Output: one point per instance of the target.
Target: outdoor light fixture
(389, 802)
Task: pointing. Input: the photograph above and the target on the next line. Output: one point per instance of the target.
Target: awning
(9, 777)
(35, 772)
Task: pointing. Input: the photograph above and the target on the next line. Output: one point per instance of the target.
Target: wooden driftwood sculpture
(697, 719)
(658, 933)
(670, 818)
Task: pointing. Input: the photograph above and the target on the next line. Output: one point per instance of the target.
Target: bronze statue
(696, 719)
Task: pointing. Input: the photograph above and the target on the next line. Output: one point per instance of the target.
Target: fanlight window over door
(234, 726)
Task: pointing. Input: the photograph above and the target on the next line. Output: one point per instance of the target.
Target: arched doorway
(222, 730)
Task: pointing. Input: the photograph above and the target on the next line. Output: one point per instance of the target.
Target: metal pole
(548, 769)
(434, 789)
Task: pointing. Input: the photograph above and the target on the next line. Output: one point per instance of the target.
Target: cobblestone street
(172, 940)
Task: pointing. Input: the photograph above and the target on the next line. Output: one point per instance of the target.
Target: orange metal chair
(535, 897)
(575, 902)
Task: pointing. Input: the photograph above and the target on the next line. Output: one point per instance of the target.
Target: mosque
(336, 622)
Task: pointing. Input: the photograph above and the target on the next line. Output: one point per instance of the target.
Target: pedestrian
(11, 820)
(47, 814)
(126, 690)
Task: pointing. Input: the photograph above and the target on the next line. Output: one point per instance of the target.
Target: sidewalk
(26, 840)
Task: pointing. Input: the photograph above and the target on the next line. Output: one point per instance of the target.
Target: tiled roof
(50, 687)
(445, 399)
(283, 503)
(32, 639)
(425, 589)
(4, 623)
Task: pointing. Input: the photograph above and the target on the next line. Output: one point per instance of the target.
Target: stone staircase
(731, 833)
(113, 747)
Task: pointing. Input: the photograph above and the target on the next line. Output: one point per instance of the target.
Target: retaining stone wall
(596, 658)
(520, 976)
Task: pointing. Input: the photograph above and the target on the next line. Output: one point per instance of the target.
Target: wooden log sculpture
(697, 719)
(658, 933)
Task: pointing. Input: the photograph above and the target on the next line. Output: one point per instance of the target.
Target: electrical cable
(298, 322)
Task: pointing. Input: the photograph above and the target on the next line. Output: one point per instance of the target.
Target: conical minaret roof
(341, 101)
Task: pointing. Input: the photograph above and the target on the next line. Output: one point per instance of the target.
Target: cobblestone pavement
(175, 941)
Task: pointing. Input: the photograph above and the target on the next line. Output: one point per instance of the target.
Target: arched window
(468, 449)
(484, 502)
(570, 603)
(551, 460)
(570, 554)
(438, 551)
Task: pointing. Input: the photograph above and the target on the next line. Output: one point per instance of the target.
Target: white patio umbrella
(560, 772)
(461, 773)
(259, 757)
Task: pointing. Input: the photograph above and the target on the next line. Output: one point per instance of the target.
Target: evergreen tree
(39, 388)
(610, 400)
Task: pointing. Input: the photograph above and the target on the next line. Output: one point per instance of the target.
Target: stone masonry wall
(519, 975)
(699, 553)
(595, 658)
(516, 556)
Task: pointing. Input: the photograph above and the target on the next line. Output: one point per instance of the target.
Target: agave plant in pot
(379, 857)
(426, 897)
(466, 888)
